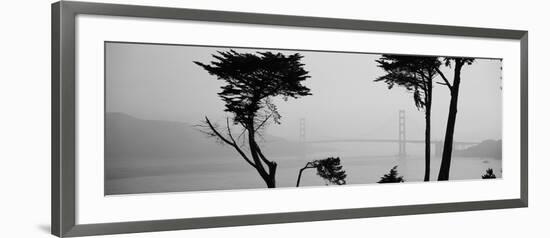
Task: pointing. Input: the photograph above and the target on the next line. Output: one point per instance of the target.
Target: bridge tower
(302, 136)
(302, 139)
(402, 138)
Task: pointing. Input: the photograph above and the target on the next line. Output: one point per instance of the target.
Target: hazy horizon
(161, 82)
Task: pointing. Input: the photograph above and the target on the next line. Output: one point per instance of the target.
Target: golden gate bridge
(401, 140)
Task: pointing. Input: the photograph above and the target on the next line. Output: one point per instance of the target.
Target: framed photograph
(169, 118)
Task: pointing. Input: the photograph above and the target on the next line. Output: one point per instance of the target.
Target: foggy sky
(161, 82)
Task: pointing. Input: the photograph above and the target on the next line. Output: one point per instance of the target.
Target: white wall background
(25, 119)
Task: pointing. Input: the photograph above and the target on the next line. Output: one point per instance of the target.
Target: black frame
(63, 117)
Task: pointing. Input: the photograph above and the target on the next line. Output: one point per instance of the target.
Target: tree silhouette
(392, 177)
(415, 74)
(251, 81)
(456, 64)
(329, 169)
(489, 174)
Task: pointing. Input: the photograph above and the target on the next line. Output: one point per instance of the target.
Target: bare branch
(310, 165)
(260, 136)
(215, 132)
(444, 79)
(263, 122)
(229, 142)
(243, 136)
(205, 129)
(229, 131)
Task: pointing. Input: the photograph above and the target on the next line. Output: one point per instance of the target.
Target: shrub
(392, 177)
(489, 174)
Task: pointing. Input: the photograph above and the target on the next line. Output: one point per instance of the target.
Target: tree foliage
(329, 169)
(392, 177)
(253, 79)
(414, 73)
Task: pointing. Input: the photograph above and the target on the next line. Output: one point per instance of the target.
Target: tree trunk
(269, 178)
(449, 132)
(300, 176)
(271, 165)
(427, 136)
(271, 183)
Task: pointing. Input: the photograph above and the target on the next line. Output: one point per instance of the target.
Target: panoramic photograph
(181, 118)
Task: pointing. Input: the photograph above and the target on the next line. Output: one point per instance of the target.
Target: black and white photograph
(182, 118)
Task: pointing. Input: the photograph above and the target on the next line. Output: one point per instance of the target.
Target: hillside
(133, 144)
(485, 149)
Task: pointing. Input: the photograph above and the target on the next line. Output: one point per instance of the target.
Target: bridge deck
(385, 141)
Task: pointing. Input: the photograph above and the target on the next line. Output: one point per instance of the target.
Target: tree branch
(444, 79)
(242, 135)
(229, 131)
(219, 135)
(263, 122)
(233, 144)
(309, 165)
